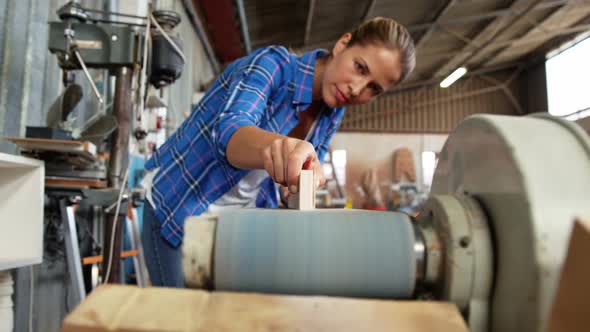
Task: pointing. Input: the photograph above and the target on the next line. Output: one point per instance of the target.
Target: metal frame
(141, 272)
(72, 251)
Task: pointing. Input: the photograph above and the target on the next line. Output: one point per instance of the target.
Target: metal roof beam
(442, 12)
(457, 21)
(557, 23)
(516, 42)
(368, 10)
(486, 16)
(487, 36)
(308, 21)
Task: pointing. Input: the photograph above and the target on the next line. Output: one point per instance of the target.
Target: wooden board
(63, 182)
(117, 308)
(571, 312)
(305, 197)
(85, 148)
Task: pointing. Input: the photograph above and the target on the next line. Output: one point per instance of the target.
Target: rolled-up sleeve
(249, 92)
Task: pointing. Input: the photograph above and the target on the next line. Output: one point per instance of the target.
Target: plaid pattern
(266, 89)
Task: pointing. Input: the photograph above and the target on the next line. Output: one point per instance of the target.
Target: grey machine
(142, 48)
(491, 238)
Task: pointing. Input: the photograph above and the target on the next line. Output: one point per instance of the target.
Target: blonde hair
(387, 32)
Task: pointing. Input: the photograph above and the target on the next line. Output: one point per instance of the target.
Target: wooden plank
(305, 197)
(59, 182)
(118, 308)
(39, 144)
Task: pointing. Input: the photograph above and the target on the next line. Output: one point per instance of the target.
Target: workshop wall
(432, 109)
(533, 91)
(585, 123)
(28, 76)
(30, 82)
(370, 150)
(197, 72)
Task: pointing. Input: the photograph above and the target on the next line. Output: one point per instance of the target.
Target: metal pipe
(87, 74)
(143, 73)
(308, 21)
(118, 163)
(122, 110)
(114, 255)
(244, 25)
(112, 13)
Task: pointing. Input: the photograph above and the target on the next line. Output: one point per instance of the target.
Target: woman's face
(357, 74)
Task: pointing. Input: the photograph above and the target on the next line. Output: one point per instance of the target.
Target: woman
(267, 115)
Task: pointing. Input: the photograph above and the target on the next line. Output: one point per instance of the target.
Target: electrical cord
(113, 230)
(176, 48)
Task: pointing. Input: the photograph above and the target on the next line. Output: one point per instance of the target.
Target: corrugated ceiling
(449, 33)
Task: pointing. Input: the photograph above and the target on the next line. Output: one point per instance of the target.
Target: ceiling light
(457, 74)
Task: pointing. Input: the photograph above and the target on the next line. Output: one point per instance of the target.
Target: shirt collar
(304, 76)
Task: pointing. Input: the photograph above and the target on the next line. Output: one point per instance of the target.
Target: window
(339, 160)
(428, 166)
(568, 79)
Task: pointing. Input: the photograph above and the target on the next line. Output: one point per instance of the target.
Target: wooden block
(119, 308)
(305, 197)
(197, 250)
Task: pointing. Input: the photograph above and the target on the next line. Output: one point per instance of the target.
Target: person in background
(373, 199)
(264, 117)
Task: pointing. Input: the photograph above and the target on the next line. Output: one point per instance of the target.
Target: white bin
(21, 211)
(6, 312)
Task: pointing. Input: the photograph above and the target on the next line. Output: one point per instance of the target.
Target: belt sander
(491, 238)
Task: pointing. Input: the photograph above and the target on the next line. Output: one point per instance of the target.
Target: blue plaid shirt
(267, 89)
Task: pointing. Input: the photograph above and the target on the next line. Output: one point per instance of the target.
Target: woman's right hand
(284, 159)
